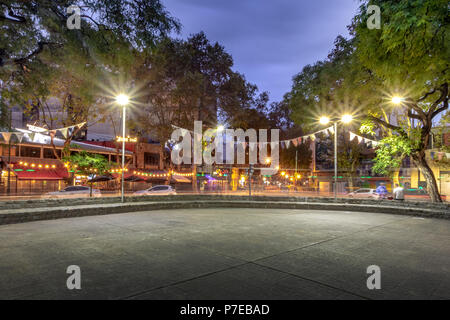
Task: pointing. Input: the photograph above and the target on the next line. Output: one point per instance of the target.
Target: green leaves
(87, 163)
(390, 154)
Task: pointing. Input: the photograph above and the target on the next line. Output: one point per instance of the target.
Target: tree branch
(38, 50)
(389, 126)
(13, 18)
(442, 99)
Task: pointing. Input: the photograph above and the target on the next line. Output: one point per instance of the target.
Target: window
(151, 159)
(49, 154)
(160, 188)
(30, 152)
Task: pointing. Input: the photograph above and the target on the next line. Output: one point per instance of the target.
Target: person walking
(399, 193)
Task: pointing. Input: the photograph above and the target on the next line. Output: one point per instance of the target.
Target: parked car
(364, 193)
(157, 191)
(73, 192)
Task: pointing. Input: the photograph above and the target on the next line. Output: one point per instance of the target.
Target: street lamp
(397, 100)
(346, 119)
(123, 100)
(324, 121)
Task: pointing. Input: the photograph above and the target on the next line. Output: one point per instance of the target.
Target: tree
(370, 68)
(88, 164)
(304, 157)
(41, 59)
(183, 81)
(408, 57)
(31, 27)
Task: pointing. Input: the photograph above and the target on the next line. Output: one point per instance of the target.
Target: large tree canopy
(408, 57)
(29, 27)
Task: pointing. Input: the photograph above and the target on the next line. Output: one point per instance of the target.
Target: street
(227, 254)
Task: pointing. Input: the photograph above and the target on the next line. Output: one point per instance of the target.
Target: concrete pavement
(227, 254)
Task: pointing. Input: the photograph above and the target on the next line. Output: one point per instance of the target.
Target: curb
(14, 216)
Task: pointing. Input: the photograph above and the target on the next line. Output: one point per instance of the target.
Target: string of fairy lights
(37, 166)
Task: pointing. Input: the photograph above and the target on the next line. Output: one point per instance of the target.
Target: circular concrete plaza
(227, 254)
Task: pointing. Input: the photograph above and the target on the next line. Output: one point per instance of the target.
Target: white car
(73, 192)
(364, 193)
(157, 191)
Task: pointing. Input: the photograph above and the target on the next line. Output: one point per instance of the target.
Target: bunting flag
(64, 132)
(31, 136)
(283, 144)
(8, 135)
(363, 140)
(19, 136)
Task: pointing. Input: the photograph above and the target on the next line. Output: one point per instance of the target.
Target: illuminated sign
(126, 139)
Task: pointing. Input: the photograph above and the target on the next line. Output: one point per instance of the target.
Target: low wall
(34, 210)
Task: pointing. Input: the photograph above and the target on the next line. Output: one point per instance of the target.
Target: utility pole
(8, 190)
(122, 198)
(335, 160)
(296, 166)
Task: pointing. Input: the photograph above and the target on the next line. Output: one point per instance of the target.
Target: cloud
(270, 40)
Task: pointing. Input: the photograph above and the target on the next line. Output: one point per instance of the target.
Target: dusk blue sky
(270, 40)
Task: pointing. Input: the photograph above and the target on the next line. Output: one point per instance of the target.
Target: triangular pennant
(352, 136)
(360, 139)
(64, 132)
(331, 129)
(283, 145)
(19, 136)
(295, 142)
(312, 137)
(288, 144)
(7, 136)
(81, 125)
(31, 136)
(300, 140)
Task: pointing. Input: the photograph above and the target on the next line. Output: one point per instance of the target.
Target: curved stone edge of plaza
(13, 212)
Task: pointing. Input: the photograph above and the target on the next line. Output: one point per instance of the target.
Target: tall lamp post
(123, 100)
(346, 119)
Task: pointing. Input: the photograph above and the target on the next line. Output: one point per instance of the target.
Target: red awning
(36, 173)
(52, 174)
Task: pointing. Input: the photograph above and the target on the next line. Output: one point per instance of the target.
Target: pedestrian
(381, 191)
(399, 193)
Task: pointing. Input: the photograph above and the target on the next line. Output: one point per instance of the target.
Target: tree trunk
(422, 165)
